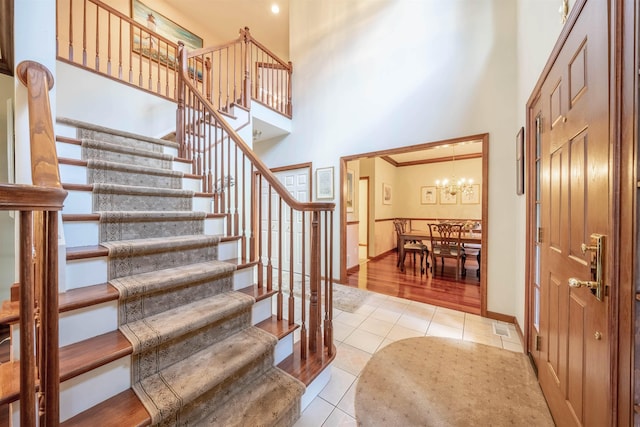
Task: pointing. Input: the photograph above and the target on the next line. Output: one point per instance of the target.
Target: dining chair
(414, 246)
(445, 243)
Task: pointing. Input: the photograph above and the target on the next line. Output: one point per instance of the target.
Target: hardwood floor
(382, 276)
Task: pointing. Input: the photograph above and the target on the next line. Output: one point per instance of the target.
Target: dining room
(420, 187)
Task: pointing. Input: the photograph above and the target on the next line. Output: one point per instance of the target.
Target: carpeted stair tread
(117, 197)
(93, 131)
(185, 319)
(139, 190)
(135, 256)
(157, 244)
(271, 400)
(105, 171)
(210, 371)
(126, 225)
(103, 150)
(154, 281)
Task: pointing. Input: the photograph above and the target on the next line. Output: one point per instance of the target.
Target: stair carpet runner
(197, 360)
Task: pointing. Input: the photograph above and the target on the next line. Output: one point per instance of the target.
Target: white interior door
(297, 182)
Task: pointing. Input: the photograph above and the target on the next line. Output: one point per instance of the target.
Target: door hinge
(539, 235)
(538, 342)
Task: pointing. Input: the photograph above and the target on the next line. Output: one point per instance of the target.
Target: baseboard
(383, 254)
(353, 269)
(502, 317)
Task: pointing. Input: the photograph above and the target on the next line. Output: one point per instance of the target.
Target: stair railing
(97, 37)
(290, 241)
(38, 207)
(241, 70)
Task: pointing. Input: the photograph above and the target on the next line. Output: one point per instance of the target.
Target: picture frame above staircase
(152, 48)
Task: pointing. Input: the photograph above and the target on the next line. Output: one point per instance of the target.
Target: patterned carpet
(431, 381)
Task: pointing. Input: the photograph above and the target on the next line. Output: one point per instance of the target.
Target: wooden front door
(570, 327)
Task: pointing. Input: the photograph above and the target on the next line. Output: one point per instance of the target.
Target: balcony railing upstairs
(97, 37)
(38, 207)
(235, 72)
(290, 241)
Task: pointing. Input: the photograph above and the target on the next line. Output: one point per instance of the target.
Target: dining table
(474, 237)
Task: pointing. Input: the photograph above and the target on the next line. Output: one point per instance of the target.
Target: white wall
(411, 179)
(105, 102)
(378, 74)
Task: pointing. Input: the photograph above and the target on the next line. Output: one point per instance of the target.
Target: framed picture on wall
(520, 162)
(428, 195)
(324, 183)
(447, 198)
(386, 194)
(472, 198)
(349, 197)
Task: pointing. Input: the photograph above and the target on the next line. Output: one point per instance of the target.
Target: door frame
(485, 208)
(623, 163)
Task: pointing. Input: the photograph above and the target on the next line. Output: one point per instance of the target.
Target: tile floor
(383, 320)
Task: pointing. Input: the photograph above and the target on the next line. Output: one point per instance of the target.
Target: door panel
(574, 366)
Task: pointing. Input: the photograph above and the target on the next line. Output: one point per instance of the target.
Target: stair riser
(120, 140)
(88, 322)
(284, 349)
(261, 310)
(151, 361)
(86, 272)
(84, 391)
(78, 202)
(81, 202)
(138, 202)
(242, 276)
(130, 177)
(87, 233)
(73, 174)
(315, 387)
(127, 158)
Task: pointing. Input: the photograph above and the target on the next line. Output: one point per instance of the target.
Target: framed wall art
(447, 198)
(520, 162)
(324, 183)
(472, 198)
(386, 194)
(428, 195)
(349, 198)
(144, 44)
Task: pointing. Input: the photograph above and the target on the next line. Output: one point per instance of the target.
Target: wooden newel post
(182, 66)
(246, 84)
(315, 335)
(39, 346)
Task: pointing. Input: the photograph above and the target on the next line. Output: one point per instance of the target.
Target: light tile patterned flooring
(383, 320)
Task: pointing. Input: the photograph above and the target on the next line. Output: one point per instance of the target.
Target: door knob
(596, 285)
(577, 283)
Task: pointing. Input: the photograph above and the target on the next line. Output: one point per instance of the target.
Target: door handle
(596, 248)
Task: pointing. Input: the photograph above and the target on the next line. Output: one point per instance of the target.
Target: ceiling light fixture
(275, 9)
(454, 186)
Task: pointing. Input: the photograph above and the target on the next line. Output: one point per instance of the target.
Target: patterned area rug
(345, 298)
(430, 381)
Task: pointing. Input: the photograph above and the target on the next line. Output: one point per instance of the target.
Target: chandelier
(454, 186)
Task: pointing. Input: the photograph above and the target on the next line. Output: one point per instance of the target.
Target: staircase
(144, 263)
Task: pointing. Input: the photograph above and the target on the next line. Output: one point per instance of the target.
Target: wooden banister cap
(24, 67)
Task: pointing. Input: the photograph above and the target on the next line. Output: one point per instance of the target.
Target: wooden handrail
(260, 166)
(217, 153)
(248, 37)
(38, 205)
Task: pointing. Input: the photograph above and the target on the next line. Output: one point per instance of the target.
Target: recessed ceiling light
(275, 9)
